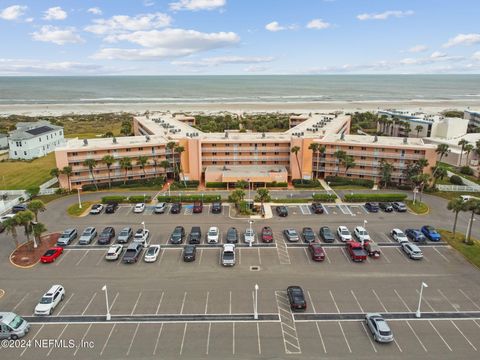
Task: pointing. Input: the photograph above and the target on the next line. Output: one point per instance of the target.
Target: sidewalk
(329, 190)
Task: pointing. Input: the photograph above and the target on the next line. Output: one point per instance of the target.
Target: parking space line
(21, 301)
(208, 338)
(306, 254)
(443, 295)
(259, 257)
(33, 338)
(398, 346)
(83, 338)
(133, 339)
(344, 252)
(402, 254)
(183, 338)
(386, 258)
(206, 302)
(161, 255)
(233, 338)
(414, 333)
(321, 337)
(443, 256)
(258, 340)
(83, 257)
(368, 336)
(358, 303)
(334, 302)
(113, 302)
(346, 341)
(61, 258)
(311, 302)
(441, 337)
(403, 301)
(426, 301)
(230, 304)
(160, 303)
(325, 209)
(326, 256)
(65, 304)
(91, 300)
(158, 339)
(461, 332)
(108, 338)
(200, 257)
(136, 303)
(468, 297)
(380, 301)
(183, 302)
(240, 256)
(475, 321)
(101, 258)
(58, 337)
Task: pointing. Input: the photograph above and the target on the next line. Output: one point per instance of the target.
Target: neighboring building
(453, 158)
(3, 141)
(34, 139)
(473, 117)
(233, 155)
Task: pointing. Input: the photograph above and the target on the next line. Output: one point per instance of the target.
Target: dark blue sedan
(372, 207)
(415, 235)
(430, 233)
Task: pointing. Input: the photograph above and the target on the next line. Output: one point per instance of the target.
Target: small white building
(34, 139)
(3, 141)
(473, 117)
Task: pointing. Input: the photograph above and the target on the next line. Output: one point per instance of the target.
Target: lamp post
(249, 193)
(418, 314)
(364, 226)
(168, 189)
(79, 200)
(143, 224)
(255, 305)
(104, 288)
(250, 222)
(469, 227)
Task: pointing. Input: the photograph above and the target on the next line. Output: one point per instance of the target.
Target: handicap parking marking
(305, 209)
(324, 209)
(188, 210)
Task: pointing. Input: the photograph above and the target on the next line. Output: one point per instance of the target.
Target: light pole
(255, 306)
(469, 227)
(104, 288)
(250, 222)
(168, 189)
(418, 314)
(364, 226)
(79, 200)
(143, 224)
(249, 193)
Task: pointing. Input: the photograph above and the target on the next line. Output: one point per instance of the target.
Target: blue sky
(169, 37)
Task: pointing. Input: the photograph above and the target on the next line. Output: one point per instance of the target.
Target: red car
(316, 251)
(267, 234)
(51, 254)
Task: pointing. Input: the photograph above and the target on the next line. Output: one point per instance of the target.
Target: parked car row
(387, 207)
(159, 208)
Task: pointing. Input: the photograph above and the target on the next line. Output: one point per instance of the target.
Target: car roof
(397, 230)
(126, 228)
(156, 246)
(229, 247)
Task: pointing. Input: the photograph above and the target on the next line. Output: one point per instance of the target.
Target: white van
(469, 197)
(12, 326)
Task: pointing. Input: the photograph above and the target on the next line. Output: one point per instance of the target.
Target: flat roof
(101, 143)
(40, 130)
(371, 140)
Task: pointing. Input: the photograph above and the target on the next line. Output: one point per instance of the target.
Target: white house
(3, 141)
(34, 139)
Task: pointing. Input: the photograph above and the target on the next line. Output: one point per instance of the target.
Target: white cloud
(39, 67)
(55, 13)
(274, 26)
(318, 24)
(437, 55)
(195, 5)
(148, 3)
(56, 35)
(13, 12)
(463, 39)
(418, 48)
(385, 15)
(124, 23)
(220, 60)
(168, 43)
(476, 56)
(95, 11)
(255, 68)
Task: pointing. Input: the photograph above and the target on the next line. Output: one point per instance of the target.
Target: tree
(439, 172)
(241, 184)
(442, 150)
(468, 149)
(142, 161)
(418, 128)
(164, 164)
(456, 205)
(33, 191)
(56, 173)
(263, 196)
(462, 143)
(38, 229)
(314, 147)
(236, 196)
(472, 205)
(109, 160)
(386, 170)
(420, 181)
(25, 218)
(406, 127)
(68, 171)
(126, 128)
(125, 164)
(171, 146)
(295, 150)
(339, 155)
(91, 164)
(11, 228)
(179, 150)
(349, 162)
(36, 206)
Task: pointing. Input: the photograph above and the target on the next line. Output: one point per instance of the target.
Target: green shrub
(339, 181)
(324, 197)
(216, 185)
(374, 197)
(130, 184)
(189, 198)
(244, 208)
(466, 170)
(188, 184)
(306, 184)
(114, 198)
(456, 180)
(139, 199)
(291, 201)
(277, 184)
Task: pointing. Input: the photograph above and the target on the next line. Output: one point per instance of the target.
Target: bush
(374, 197)
(339, 181)
(188, 184)
(189, 198)
(216, 185)
(131, 184)
(139, 199)
(277, 184)
(456, 180)
(114, 198)
(299, 183)
(324, 197)
(244, 208)
(466, 170)
(291, 201)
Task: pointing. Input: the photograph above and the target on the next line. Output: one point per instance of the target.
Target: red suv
(267, 234)
(197, 207)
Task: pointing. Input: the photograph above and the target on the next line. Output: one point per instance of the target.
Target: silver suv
(87, 236)
(412, 250)
(67, 237)
(379, 328)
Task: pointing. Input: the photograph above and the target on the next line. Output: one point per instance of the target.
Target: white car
(361, 234)
(6, 217)
(151, 254)
(114, 252)
(96, 209)
(343, 233)
(399, 236)
(412, 251)
(139, 208)
(213, 235)
(50, 300)
(141, 236)
(249, 236)
(228, 255)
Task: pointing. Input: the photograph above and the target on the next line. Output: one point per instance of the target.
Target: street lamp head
(256, 286)
(424, 285)
(104, 288)
(142, 223)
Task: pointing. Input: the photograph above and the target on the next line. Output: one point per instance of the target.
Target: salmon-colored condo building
(234, 155)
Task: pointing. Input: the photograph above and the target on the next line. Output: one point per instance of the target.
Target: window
(350, 147)
(25, 153)
(362, 157)
(227, 145)
(18, 143)
(276, 153)
(264, 145)
(39, 139)
(127, 150)
(277, 144)
(364, 148)
(214, 153)
(227, 153)
(140, 148)
(214, 145)
(264, 153)
(15, 153)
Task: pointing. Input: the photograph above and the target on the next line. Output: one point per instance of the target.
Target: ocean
(237, 89)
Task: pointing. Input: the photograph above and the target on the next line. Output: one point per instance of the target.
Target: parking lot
(172, 309)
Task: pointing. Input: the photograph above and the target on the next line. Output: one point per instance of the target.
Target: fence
(459, 188)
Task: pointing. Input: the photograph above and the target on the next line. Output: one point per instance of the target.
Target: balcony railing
(244, 158)
(246, 149)
(380, 155)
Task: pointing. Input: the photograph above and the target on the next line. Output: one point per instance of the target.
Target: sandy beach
(429, 106)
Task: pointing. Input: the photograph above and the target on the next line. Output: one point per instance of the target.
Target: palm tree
(142, 161)
(339, 155)
(241, 184)
(349, 162)
(36, 206)
(67, 170)
(406, 128)
(472, 205)
(456, 205)
(420, 180)
(109, 160)
(314, 147)
(91, 164)
(56, 173)
(155, 165)
(442, 150)
(468, 149)
(418, 128)
(237, 196)
(462, 143)
(386, 170)
(25, 218)
(171, 146)
(295, 150)
(11, 228)
(125, 164)
(439, 172)
(263, 195)
(164, 164)
(38, 229)
(179, 150)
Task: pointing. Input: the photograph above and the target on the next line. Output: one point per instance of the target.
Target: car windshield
(345, 232)
(16, 322)
(228, 255)
(385, 333)
(124, 233)
(362, 232)
(151, 251)
(49, 253)
(46, 300)
(212, 232)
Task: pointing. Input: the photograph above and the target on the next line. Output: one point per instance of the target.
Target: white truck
(228, 255)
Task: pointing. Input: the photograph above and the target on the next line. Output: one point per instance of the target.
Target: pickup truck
(132, 253)
(197, 207)
(356, 251)
(228, 255)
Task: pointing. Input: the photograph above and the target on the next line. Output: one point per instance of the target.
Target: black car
(232, 235)
(195, 236)
(372, 207)
(386, 206)
(399, 206)
(177, 235)
(296, 298)
(106, 236)
(176, 208)
(217, 207)
(282, 211)
(326, 234)
(317, 208)
(19, 207)
(308, 235)
(111, 208)
(189, 253)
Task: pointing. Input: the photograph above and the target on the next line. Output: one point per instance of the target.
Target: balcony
(245, 149)
(380, 155)
(245, 158)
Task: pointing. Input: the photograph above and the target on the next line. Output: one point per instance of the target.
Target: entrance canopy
(250, 173)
